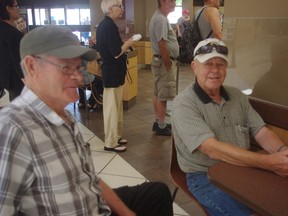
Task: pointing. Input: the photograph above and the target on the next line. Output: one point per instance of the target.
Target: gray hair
(107, 4)
(22, 64)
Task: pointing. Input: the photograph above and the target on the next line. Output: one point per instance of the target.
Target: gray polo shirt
(196, 118)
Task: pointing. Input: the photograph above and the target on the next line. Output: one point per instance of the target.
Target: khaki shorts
(164, 81)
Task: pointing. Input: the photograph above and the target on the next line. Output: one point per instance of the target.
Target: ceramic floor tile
(115, 181)
(101, 159)
(120, 167)
(179, 211)
(87, 134)
(97, 144)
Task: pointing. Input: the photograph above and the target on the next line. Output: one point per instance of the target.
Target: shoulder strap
(200, 14)
(198, 19)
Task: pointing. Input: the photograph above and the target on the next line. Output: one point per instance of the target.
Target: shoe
(122, 141)
(118, 148)
(81, 105)
(155, 125)
(163, 132)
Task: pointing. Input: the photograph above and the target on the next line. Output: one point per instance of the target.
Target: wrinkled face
(55, 80)
(210, 74)
(117, 10)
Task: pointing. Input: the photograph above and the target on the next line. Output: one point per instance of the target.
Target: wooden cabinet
(130, 89)
(144, 52)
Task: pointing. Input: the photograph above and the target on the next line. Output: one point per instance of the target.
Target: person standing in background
(21, 24)
(182, 23)
(165, 51)
(10, 74)
(210, 20)
(112, 51)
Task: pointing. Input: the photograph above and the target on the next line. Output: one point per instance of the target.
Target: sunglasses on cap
(209, 48)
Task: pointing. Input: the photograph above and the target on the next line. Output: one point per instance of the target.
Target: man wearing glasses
(212, 123)
(46, 168)
(10, 36)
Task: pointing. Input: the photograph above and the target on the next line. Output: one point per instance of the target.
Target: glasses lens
(222, 49)
(209, 48)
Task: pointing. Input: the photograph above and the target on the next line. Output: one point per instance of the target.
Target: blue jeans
(213, 199)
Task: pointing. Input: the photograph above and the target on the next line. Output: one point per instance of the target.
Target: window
(57, 16)
(176, 14)
(41, 16)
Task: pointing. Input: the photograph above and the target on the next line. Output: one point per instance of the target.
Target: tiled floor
(113, 169)
(147, 153)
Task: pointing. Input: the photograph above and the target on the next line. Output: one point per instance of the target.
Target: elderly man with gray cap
(212, 123)
(45, 166)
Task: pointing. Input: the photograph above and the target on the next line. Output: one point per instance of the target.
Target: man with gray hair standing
(45, 166)
(165, 51)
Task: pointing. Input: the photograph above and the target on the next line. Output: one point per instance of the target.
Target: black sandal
(118, 148)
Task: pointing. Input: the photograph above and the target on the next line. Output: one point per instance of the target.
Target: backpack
(190, 38)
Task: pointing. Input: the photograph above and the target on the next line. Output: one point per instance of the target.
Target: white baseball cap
(210, 48)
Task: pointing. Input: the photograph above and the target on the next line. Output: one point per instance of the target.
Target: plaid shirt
(45, 165)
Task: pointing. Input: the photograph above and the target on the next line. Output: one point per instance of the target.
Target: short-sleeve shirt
(45, 167)
(160, 28)
(196, 118)
(109, 45)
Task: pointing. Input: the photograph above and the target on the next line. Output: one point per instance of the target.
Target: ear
(194, 67)
(30, 65)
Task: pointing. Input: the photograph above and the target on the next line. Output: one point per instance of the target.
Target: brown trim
(271, 113)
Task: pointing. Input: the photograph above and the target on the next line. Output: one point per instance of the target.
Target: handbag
(94, 67)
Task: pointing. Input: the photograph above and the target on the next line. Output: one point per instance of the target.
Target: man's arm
(213, 17)
(114, 201)
(164, 53)
(276, 162)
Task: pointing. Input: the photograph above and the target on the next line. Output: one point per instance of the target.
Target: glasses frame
(208, 48)
(65, 68)
(16, 6)
(119, 5)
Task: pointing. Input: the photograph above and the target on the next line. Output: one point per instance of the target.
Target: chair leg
(174, 193)
(86, 107)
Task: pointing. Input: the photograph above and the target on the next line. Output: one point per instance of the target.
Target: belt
(159, 56)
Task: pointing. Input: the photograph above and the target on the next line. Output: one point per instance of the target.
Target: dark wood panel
(272, 113)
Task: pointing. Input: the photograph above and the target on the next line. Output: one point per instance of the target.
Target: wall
(256, 33)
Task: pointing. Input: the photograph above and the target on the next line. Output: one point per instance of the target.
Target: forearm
(269, 141)
(231, 154)
(164, 53)
(114, 201)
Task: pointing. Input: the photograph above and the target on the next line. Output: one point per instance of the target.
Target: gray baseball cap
(55, 41)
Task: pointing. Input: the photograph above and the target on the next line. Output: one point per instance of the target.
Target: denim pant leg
(215, 201)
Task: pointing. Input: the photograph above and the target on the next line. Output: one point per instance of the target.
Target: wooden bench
(276, 117)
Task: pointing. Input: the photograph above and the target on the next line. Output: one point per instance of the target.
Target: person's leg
(110, 115)
(213, 199)
(119, 104)
(147, 199)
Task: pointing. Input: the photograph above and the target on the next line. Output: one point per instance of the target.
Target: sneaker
(155, 125)
(118, 148)
(163, 132)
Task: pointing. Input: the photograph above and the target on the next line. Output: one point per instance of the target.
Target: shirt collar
(29, 97)
(204, 97)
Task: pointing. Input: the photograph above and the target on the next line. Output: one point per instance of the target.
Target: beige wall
(257, 35)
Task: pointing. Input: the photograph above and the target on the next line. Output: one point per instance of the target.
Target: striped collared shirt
(45, 165)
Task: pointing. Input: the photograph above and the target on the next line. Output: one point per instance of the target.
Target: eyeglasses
(66, 69)
(16, 6)
(209, 48)
(119, 5)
